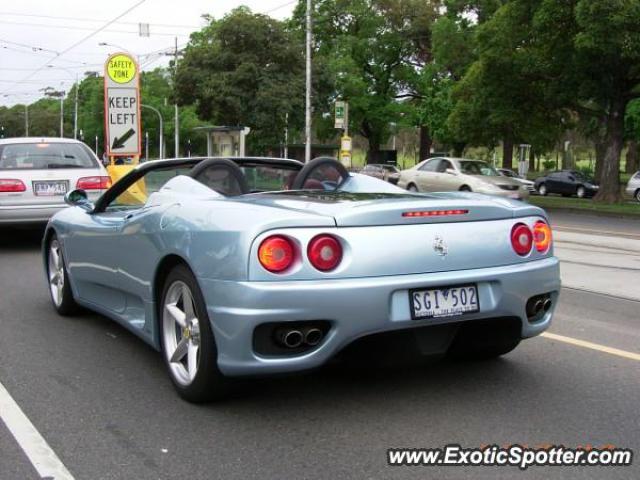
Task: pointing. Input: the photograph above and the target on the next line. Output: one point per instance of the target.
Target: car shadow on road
(21, 238)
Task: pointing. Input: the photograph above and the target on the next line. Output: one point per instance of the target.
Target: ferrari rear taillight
(325, 252)
(276, 253)
(521, 239)
(94, 183)
(10, 185)
(542, 236)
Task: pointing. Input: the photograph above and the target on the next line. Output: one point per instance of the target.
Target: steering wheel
(337, 174)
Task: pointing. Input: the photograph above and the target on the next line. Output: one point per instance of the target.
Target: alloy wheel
(181, 333)
(56, 272)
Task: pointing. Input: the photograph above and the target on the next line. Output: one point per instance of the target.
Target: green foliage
(244, 69)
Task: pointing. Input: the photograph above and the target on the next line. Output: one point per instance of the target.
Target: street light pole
(74, 75)
(161, 140)
(307, 127)
(62, 114)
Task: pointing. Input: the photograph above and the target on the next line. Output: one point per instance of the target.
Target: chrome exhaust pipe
(292, 338)
(537, 307)
(546, 306)
(313, 337)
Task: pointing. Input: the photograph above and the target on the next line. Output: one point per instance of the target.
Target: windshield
(43, 156)
(473, 167)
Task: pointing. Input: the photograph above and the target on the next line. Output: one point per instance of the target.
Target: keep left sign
(122, 106)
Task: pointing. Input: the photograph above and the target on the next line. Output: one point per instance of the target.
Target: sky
(34, 32)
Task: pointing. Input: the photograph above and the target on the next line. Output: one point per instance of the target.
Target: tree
(632, 130)
(502, 95)
(244, 69)
(591, 53)
(372, 49)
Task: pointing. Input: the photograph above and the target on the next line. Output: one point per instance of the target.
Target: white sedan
(36, 173)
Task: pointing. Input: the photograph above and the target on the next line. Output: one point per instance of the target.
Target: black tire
(465, 188)
(65, 305)
(638, 195)
(542, 189)
(208, 384)
(412, 188)
(482, 340)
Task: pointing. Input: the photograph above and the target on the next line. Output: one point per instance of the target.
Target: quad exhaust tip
(538, 305)
(313, 337)
(292, 338)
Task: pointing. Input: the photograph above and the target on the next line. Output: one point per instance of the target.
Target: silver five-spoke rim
(181, 329)
(56, 272)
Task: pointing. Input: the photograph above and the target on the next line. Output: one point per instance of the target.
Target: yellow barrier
(136, 194)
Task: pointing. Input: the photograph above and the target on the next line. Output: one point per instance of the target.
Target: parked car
(633, 187)
(36, 173)
(529, 184)
(451, 174)
(388, 173)
(566, 183)
(231, 274)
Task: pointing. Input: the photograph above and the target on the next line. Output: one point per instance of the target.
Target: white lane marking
(593, 346)
(40, 454)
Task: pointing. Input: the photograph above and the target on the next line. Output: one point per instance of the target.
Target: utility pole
(146, 146)
(62, 114)
(286, 135)
(26, 119)
(175, 88)
(75, 111)
(307, 126)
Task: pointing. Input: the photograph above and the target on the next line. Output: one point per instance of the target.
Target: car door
(447, 181)
(554, 182)
(114, 251)
(427, 176)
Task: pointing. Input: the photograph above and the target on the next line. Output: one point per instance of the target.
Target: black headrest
(221, 175)
(319, 170)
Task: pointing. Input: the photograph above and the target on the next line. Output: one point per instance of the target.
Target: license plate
(443, 302)
(50, 188)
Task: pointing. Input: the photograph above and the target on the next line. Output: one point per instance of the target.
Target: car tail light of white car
(10, 185)
(94, 183)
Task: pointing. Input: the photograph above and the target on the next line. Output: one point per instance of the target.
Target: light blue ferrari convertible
(242, 266)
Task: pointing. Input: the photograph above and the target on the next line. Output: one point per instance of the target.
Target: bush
(549, 164)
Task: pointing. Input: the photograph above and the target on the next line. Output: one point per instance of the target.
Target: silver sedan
(448, 174)
(633, 187)
(36, 173)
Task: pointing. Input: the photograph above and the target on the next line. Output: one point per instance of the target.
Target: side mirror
(451, 171)
(78, 198)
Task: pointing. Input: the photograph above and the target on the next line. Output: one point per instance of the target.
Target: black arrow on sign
(119, 142)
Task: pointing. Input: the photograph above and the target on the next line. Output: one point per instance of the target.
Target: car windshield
(390, 168)
(43, 156)
(473, 167)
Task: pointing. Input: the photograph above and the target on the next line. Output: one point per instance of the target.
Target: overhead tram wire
(96, 20)
(72, 27)
(74, 45)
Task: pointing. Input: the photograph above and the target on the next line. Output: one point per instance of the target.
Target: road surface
(104, 406)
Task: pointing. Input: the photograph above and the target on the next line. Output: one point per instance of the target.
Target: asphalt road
(101, 398)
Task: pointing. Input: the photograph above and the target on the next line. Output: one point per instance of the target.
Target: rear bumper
(10, 215)
(360, 307)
